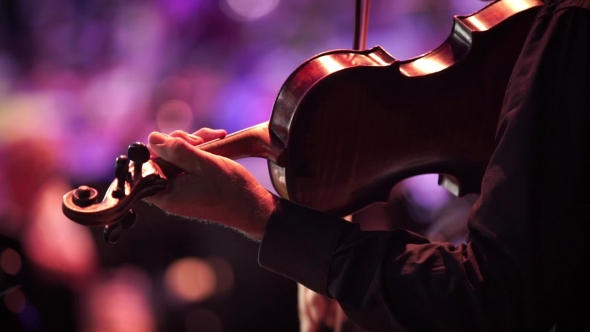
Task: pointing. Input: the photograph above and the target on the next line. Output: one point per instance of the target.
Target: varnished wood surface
(350, 125)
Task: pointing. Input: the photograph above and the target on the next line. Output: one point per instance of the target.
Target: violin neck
(246, 143)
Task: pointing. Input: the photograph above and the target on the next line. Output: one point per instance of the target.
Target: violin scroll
(136, 177)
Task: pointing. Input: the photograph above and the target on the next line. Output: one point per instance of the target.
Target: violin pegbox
(136, 177)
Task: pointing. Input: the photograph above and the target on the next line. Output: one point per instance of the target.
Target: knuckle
(198, 140)
(177, 133)
(203, 131)
(176, 144)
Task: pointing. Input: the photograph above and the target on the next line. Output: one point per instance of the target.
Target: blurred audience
(57, 258)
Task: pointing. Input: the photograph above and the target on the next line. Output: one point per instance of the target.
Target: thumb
(176, 151)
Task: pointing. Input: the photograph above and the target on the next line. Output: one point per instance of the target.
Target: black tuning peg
(129, 220)
(139, 154)
(112, 233)
(121, 173)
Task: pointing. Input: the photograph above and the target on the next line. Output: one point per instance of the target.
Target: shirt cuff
(299, 244)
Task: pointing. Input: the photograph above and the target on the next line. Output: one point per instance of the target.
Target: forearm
(390, 278)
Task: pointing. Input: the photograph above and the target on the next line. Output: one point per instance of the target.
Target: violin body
(348, 125)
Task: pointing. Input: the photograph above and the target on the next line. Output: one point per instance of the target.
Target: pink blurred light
(10, 261)
(15, 301)
(190, 279)
(64, 251)
(173, 115)
(119, 302)
(224, 274)
(182, 9)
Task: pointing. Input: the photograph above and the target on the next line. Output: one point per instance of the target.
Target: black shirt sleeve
(386, 279)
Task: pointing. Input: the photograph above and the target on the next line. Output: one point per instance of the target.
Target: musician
(522, 268)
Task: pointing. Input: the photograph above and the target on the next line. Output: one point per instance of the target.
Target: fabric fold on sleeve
(299, 243)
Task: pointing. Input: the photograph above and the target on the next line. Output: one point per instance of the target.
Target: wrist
(265, 207)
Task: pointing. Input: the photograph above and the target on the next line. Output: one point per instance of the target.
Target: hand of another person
(212, 188)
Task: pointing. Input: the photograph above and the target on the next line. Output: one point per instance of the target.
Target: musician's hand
(212, 188)
(198, 137)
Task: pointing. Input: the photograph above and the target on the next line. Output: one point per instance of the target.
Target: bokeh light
(29, 317)
(190, 279)
(119, 301)
(426, 195)
(173, 115)
(247, 10)
(15, 301)
(224, 274)
(10, 261)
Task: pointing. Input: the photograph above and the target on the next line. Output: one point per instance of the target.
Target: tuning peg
(84, 196)
(112, 233)
(129, 220)
(139, 154)
(121, 172)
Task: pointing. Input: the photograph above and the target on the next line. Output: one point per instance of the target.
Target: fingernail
(157, 138)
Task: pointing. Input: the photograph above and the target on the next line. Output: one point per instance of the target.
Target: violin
(347, 125)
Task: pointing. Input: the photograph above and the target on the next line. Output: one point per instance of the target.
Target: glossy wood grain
(350, 124)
